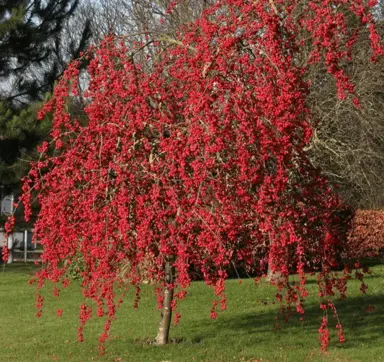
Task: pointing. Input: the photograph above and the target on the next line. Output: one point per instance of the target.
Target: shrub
(365, 238)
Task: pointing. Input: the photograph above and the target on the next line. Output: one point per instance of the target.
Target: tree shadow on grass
(367, 279)
(360, 327)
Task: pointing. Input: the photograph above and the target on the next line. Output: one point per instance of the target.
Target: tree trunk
(272, 275)
(166, 313)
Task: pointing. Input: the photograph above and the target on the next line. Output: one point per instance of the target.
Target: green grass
(244, 332)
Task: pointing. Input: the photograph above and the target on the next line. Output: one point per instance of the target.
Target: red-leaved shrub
(366, 237)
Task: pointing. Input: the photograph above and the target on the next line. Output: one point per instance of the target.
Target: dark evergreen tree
(36, 44)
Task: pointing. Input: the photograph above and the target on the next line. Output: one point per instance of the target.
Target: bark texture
(162, 337)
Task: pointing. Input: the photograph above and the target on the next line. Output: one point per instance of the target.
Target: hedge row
(365, 238)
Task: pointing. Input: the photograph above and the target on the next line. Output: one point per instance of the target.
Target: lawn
(244, 332)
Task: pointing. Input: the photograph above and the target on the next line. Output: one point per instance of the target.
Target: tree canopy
(346, 145)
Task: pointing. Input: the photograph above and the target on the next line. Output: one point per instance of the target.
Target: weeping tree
(198, 162)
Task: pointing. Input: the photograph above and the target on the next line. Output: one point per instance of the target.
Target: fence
(21, 246)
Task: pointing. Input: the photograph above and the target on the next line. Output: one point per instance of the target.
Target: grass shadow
(360, 327)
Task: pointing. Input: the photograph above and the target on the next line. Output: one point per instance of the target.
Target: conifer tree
(34, 50)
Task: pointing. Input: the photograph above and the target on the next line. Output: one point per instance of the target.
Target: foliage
(346, 145)
(9, 22)
(200, 161)
(21, 132)
(75, 266)
(32, 45)
(366, 237)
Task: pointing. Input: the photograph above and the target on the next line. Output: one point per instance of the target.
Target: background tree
(348, 143)
(121, 17)
(35, 47)
(142, 20)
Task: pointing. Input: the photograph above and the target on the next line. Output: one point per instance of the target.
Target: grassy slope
(245, 332)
